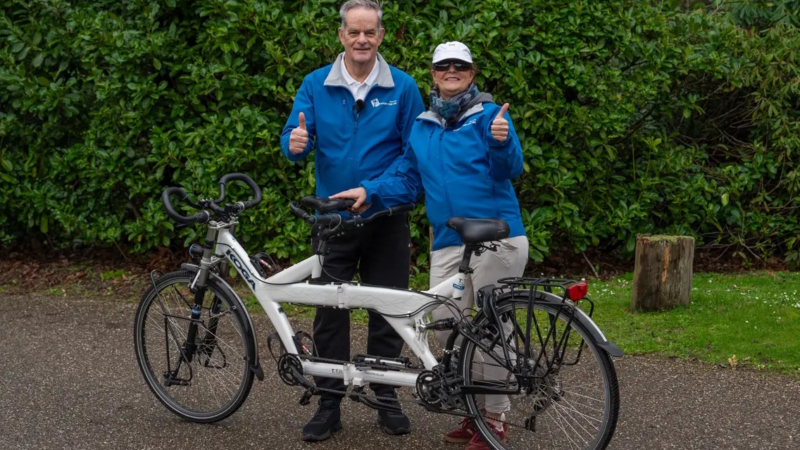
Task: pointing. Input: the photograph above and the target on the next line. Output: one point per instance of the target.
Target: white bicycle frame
(405, 310)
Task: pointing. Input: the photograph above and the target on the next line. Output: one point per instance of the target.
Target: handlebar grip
(399, 209)
(246, 180)
(202, 216)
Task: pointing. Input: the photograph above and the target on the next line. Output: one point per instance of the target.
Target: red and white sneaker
(462, 434)
(477, 443)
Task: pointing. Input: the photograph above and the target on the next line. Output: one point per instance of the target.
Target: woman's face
(452, 77)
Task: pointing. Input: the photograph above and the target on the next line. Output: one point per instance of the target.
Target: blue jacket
(353, 145)
(463, 170)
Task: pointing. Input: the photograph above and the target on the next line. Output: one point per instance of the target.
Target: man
(357, 113)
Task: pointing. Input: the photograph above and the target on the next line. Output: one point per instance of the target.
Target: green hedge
(635, 116)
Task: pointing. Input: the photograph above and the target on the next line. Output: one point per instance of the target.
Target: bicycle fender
(241, 310)
(587, 322)
(600, 338)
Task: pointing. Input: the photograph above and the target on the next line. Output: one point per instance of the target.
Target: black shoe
(326, 421)
(391, 422)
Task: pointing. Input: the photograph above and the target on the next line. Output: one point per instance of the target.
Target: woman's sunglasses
(444, 66)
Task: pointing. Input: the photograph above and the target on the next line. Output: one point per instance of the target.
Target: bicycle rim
(574, 405)
(218, 378)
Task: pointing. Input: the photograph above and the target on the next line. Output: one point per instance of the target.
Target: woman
(464, 152)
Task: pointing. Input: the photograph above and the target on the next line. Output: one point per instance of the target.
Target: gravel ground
(71, 382)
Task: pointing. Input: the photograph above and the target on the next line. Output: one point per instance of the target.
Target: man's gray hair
(366, 4)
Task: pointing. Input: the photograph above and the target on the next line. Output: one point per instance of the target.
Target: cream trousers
(508, 261)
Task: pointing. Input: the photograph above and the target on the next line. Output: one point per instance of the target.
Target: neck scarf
(450, 110)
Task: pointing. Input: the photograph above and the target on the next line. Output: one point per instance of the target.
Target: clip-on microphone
(359, 105)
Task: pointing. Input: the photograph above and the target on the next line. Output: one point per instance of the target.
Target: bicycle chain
(345, 392)
(396, 400)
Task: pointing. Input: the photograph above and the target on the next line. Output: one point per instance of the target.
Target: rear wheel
(208, 379)
(574, 405)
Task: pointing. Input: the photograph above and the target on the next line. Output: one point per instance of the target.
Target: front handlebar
(223, 183)
(218, 211)
(201, 217)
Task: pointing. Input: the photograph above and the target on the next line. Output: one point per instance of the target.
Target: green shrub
(635, 117)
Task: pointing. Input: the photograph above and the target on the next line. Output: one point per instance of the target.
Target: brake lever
(199, 205)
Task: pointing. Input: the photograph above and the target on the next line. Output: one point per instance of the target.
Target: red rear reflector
(577, 291)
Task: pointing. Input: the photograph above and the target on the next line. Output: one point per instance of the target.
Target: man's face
(361, 36)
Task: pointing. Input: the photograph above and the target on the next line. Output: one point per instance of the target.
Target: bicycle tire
(565, 421)
(215, 350)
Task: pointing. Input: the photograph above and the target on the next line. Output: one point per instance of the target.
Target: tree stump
(662, 277)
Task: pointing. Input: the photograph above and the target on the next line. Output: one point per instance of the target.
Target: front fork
(209, 340)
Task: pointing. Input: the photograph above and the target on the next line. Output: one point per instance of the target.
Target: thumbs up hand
(500, 125)
(299, 137)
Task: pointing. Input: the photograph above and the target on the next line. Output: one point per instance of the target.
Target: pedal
(355, 394)
(305, 399)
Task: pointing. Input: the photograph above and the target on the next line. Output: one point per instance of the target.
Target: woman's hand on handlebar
(358, 194)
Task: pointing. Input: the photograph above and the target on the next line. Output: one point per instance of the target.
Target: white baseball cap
(452, 50)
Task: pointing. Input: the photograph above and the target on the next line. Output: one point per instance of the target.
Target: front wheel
(204, 379)
(573, 404)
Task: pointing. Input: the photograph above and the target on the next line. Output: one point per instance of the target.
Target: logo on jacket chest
(376, 103)
(469, 123)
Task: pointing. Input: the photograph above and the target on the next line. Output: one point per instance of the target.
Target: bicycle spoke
(566, 405)
(213, 383)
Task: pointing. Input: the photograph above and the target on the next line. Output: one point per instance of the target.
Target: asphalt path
(70, 381)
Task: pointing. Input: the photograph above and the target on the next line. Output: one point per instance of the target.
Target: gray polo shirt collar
(336, 78)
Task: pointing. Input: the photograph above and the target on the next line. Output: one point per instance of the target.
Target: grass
(112, 274)
(745, 320)
(749, 320)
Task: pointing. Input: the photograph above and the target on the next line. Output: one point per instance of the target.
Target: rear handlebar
(333, 218)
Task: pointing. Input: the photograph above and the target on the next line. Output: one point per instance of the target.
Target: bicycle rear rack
(552, 347)
(546, 285)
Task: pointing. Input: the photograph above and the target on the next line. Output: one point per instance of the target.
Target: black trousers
(381, 253)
